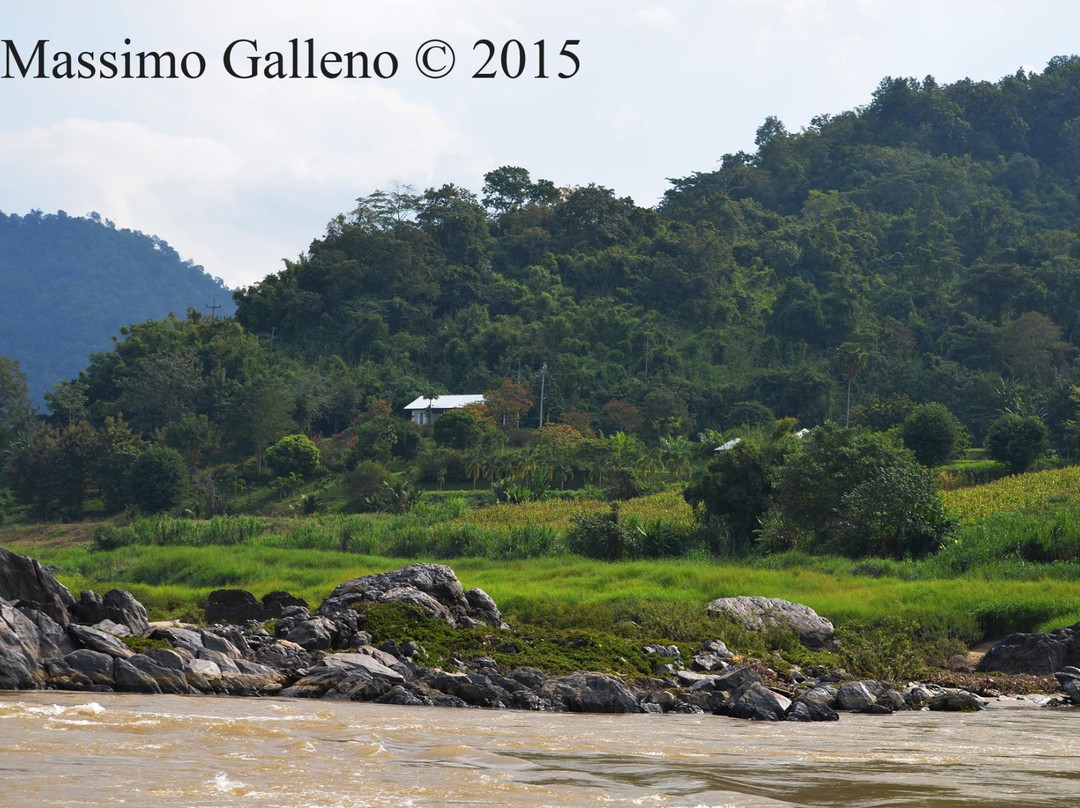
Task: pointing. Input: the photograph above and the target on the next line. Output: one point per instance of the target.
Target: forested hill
(924, 247)
(67, 285)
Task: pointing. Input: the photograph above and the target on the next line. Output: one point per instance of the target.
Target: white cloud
(659, 18)
(237, 174)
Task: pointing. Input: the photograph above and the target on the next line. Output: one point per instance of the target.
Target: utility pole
(543, 377)
(213, 310)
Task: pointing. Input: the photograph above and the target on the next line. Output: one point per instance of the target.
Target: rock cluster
(50, 639)
(815, 632)
(1036, 653)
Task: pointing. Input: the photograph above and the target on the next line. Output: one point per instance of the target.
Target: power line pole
(543, 377)
(213, 310)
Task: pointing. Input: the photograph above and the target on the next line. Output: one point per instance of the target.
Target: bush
(381, 439)
(363, 484)
(158, 479)
(934, 434)
(855, 493)
(458, 429)
(107, 536)
(1017, 440)
(622, 484)
(293, 454)
(735, 491)
(601, 536)
(440, 465)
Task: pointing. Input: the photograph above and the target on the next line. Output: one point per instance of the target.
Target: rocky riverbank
(279, 646)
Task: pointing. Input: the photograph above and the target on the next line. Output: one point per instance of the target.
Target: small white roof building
(425, 410)
(731, 444)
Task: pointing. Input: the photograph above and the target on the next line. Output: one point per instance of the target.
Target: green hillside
(68, 284)
(922, 248)
(925, 245)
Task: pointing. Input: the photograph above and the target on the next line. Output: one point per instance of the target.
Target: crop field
(1039, 491)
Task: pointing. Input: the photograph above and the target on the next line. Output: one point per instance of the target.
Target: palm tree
(852, 358)
(680, 451)
(474, 462)
(625, 449)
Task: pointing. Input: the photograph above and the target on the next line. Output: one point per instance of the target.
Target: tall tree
(16, 408)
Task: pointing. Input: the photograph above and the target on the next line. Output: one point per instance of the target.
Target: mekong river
(95, 749)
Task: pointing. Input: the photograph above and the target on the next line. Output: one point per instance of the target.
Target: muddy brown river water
(78, 749)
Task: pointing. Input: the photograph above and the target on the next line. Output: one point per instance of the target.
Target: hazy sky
(238, 174)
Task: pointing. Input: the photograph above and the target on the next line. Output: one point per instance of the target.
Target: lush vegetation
(901, 280)
(70, 283)
(918, 251)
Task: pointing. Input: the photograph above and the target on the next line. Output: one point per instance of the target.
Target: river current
(79, 749)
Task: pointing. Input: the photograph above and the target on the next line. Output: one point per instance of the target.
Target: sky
(238, 174)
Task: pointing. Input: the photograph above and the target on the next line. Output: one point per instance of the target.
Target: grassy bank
(566, 590)
(1014, 566)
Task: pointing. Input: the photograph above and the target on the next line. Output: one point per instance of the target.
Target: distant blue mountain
(68, 284)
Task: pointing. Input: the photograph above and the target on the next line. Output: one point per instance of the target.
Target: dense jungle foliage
(920, 250)
(924, 245)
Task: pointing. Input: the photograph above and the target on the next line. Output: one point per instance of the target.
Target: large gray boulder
(433, 588)
(100, 641)
(359, 677)
(82, 669)
(316, 633)
(118, 606)
(855, 697)
(756, 702)
(957, 702)
(20, 650)
(588, 693)
(756, 613)
(132, 679)
(24, 582)
(475, 689)
(235, 606)
(1040, 654)
(167, 679)
(805, 709)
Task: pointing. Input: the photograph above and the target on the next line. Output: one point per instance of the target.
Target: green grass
(567, 590)
(1014, 566)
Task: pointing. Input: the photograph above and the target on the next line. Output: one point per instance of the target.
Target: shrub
(107, 536)
(1017, 440)
(293, 454)
(362, 484)
(934, 434)
(602, 536)
(158, 479)
(458, 429)
(622, 484)
(735, 491)
(855, 493)
(509, 492)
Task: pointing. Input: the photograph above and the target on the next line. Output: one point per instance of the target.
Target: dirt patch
(53, 536)
(977, 652)
(991, 685)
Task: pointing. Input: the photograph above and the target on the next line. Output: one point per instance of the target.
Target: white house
(731, 444)
(425, 410)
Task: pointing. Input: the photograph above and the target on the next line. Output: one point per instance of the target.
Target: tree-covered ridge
(922, 245)
(68, 284)
(870, 271)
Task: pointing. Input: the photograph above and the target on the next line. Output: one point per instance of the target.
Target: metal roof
(445, 402)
